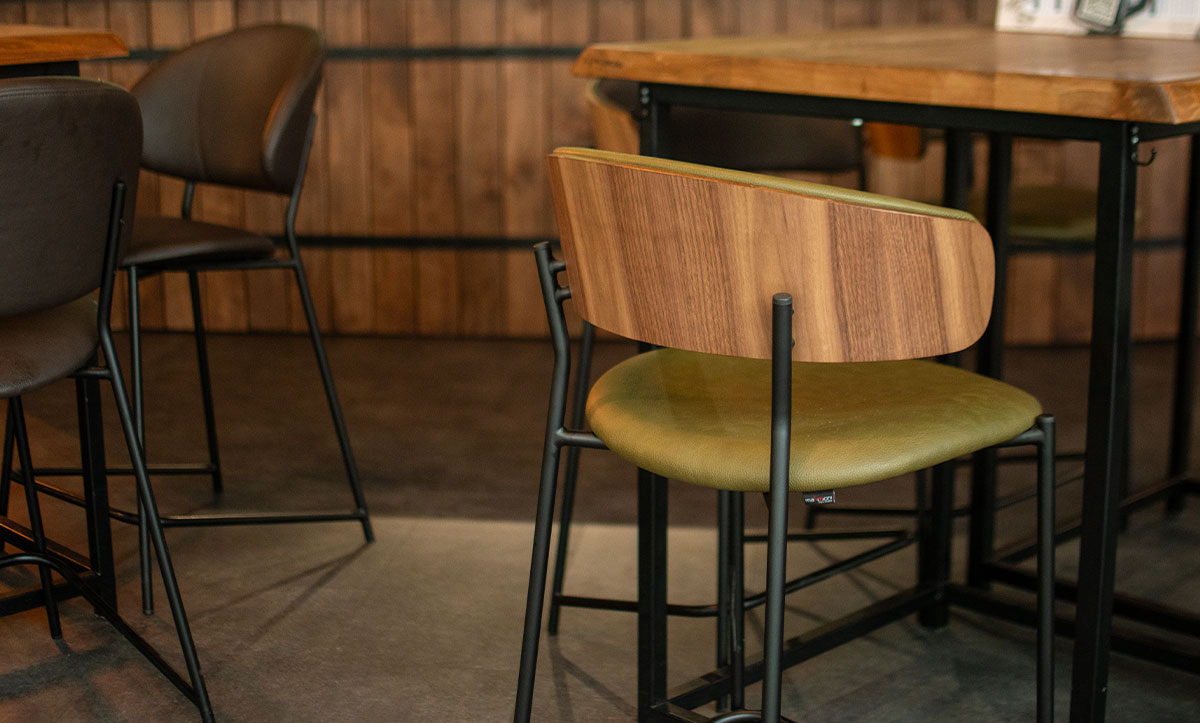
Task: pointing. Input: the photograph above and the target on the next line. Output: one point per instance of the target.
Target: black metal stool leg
(777, 524)
(16, 418)
(737, 581)
(335, 407)
(95, 486)
(725, 541)
(1045, 571)
(6, 470)
(139, 425)
(539, 564)
(934, 549)
(210, 422)
(571, 474)
(154, 529)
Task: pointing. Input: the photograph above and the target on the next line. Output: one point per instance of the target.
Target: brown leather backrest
(64, 143)
(689, 257)
(729, 139)
(233, 109)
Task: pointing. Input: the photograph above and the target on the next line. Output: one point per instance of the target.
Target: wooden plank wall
(452, 146)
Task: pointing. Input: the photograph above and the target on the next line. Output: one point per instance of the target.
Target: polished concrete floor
(307, 623)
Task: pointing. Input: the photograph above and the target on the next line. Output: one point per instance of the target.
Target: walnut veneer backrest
(689, 256)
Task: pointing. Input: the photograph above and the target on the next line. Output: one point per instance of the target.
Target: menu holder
(1147, 18)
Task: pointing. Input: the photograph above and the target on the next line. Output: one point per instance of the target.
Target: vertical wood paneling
(852, 13)
(313, 215)
(899, 12)
(761, 18)
(663, 19)
(391, 183)
(46, 12)
(12, 12)
(617, 20)
(347, 108)
(481, 274)
(714, 17)
(167, 294)
(433, 83)
(455, 147)
(525, 136)
(806, 15)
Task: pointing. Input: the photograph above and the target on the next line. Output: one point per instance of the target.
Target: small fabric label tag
(819, 498)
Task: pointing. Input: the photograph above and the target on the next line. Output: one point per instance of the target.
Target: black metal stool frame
(294, 263)
(103, 597)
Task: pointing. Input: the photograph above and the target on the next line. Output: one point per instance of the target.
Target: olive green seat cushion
(1046, 213)
(706, 419)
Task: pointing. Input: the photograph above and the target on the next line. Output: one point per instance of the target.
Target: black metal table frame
(1109, 385)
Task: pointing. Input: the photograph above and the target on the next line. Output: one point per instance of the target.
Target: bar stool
(234, 110)
(708, 265)
(68, 180)
(761, 142)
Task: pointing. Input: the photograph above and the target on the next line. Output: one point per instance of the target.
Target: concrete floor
(306, 623)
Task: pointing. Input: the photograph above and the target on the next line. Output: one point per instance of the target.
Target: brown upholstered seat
(160, 242)
(44, 346)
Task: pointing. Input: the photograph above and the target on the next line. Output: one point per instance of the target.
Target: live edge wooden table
(1117, 92)
(31, 50)
(27, 50)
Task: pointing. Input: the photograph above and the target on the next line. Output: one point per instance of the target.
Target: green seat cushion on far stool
(1045, 213)
(706, 419)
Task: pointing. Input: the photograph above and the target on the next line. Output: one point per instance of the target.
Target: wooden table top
(21, 44)
(1133, 79)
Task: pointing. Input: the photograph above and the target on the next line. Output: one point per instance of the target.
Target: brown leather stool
(68, 180)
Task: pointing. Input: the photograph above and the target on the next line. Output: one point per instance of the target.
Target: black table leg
(990, 361)
(1185, 351)
(1108, 415)
(652, 592)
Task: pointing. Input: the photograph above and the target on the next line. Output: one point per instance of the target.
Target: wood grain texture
(54, 43)
(524, 140)
(673, 255)
(1116, 78)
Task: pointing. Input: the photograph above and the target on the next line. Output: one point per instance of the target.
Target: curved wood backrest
(689, 257)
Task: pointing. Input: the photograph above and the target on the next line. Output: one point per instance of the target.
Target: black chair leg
(1045, 571)
(737, 583)
(139, 425)
(95, 487)
(538, 567)
(571, 474)
(16, 418)
(6, 471)
(335, 407)
(153, 526)
(777, 522)
(210, 422)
